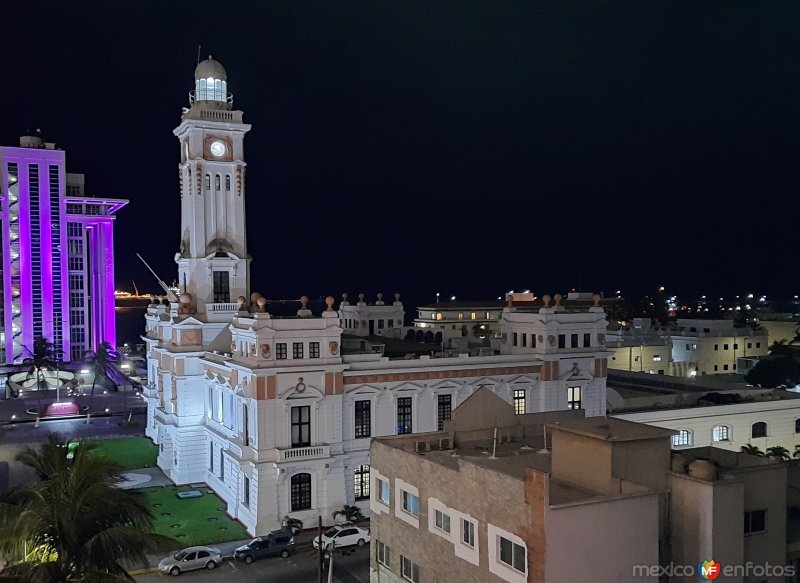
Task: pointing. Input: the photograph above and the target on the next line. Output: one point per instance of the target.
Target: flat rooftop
(611, 429)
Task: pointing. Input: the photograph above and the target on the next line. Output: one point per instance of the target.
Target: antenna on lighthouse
(198, 54)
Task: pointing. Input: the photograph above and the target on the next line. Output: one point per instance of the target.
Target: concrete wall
(602, 541)
(480, 495)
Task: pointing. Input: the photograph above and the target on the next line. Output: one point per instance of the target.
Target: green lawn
(132, 452)
(193, 521)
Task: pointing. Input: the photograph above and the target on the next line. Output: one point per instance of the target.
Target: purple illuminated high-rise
(56, 255)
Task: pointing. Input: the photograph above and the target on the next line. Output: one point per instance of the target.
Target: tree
(40, 359)
(775, 372)
(349, 513)
(74, 525)
(104, 360)
(752, 450)
(779, 452)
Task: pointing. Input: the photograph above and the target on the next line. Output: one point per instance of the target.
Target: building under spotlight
(56, 253)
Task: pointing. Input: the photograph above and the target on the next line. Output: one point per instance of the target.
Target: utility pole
(321, 552)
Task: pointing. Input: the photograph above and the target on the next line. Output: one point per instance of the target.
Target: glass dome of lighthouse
(211, 85)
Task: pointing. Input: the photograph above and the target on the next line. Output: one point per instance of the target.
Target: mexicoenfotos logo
(709, 570)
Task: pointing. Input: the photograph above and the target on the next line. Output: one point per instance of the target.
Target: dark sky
(464, 147)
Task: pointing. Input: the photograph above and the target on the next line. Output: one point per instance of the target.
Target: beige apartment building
(602, 500)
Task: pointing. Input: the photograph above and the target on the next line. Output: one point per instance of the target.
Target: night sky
(463, 147)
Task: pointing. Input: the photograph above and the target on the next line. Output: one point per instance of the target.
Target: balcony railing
(304, 453)
(223, 307)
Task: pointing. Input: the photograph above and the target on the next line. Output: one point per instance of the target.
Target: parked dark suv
(278, 543)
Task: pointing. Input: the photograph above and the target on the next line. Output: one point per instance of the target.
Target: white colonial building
(276, 414)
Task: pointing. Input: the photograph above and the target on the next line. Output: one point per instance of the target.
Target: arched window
(759, 429)
(217, 182)
(721, 433)
(362, 482)
(228, 182)
(682, 439)
(208, 181)
(301, 492)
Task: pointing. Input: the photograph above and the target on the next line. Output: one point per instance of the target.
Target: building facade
(690, 348)
(276, 414)
(492, 501)
(57, 255)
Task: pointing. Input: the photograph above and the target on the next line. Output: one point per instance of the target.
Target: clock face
(217, 148)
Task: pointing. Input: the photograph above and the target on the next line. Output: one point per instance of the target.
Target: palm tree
(349, 513)
(752, 450)
(75, 524)
(796, 453)
(40, 359)
(104, 360)
(779, 452)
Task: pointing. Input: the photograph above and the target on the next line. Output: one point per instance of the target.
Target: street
(301, 567)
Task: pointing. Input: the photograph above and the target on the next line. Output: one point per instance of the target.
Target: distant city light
(452, 298)
(84, 371)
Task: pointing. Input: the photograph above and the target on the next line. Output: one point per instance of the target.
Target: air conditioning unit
(420, 446)
(444, 443)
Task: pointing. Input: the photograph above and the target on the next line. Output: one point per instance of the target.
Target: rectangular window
(444, 410)
(533, 340)
(363, 421)
(524, 340)
(411, 503)
(313, 349)
(301, 426)
(573, 397)
(228, 182)
(724, 367)
(637, 359)
(758, 345)
(573, 341)
(656, 358)
(208, 182)
(246, 492)
(755, 521)
(221, 465)
(404, 415)
(716, 367)
(562, 340)
(587, 340)
(442, 521)
(361, 482)
(380, 324)
(382, 551)
(473, 316)
(512, 554)
(460, 316)
(749, 345)
(222, 290)
(297, 350)
(211, 456)
(468, 532)
(384, 491)
(735, 346)
(725, 347)
(514, 339)
(716, 347)
(409, 570)
(280, 351)
(519, 401)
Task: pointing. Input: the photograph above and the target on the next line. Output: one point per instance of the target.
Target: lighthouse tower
(213, 265)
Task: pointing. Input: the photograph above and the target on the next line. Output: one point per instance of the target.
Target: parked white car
(190, 559)
(343, 535)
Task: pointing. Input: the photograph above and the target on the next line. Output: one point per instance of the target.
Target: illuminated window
(721, 433)
(361, 482)
(486, 316)
(460, 316)
(657, 358)
(473, 316)
(519, 401)
(573, 397)
(683, 438)
(404, 415)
